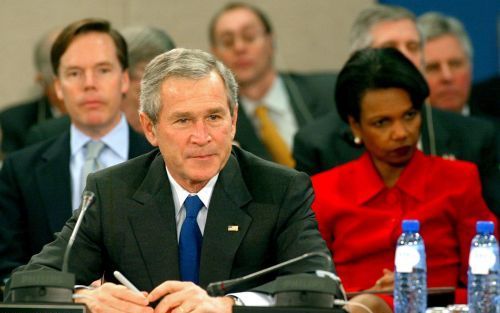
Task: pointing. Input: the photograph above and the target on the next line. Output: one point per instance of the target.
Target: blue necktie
(190, 241)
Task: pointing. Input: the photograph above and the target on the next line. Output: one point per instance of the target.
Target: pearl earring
(357, 140)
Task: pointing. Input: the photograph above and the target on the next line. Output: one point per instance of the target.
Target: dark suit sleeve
(298, 229)
(489, 169)
(304, 154)
(86, 256)
(13, 250)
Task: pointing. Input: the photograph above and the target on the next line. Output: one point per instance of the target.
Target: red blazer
(360, 218)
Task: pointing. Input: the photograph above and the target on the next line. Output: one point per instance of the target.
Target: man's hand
(384, 283)
(186, 297)
(113, 298)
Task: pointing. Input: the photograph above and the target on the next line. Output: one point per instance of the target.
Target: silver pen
(125, 282)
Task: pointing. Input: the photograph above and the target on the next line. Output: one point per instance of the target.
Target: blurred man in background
(448, 66)
(273, 105)
(15, 121)
(144, 43)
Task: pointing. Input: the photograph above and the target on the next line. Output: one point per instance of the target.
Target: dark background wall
(482, 21)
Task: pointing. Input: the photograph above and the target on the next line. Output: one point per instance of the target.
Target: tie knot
(193, 206)
(93, 149)
(261, 111)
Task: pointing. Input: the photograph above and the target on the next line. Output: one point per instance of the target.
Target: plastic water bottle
(483, 281)
(410, 279)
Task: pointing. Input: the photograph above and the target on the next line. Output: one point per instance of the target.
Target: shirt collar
(466, 110)
(113, 140)
(180, 194)
(373, 184)
(273, 99)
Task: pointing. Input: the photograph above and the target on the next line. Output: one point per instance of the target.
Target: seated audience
(15, 121)
(360, 205)
(328, 142)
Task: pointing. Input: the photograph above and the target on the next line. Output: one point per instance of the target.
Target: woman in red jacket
(360, 205)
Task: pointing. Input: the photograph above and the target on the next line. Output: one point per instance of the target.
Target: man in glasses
(273, 105)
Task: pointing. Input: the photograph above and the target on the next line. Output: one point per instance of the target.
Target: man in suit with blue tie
(195, 211)
(41, 185)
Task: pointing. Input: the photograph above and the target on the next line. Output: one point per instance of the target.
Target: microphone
(49, 286)
(223, 287)
(88, 199)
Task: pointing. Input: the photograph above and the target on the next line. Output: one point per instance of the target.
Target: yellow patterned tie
(272, 139)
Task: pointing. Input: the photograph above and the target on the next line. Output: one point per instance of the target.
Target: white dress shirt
(115, 151)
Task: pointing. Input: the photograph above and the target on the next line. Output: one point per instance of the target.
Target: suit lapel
(441, 137)
(54, 181)
(247, 137)
(298, 100)
(226, 224)
(152, 216)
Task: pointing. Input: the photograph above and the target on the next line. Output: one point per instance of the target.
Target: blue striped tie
(190, 241)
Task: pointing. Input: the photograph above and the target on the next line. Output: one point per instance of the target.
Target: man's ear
(148, 128)
(125, 82)
(234, 120)
(58, 89)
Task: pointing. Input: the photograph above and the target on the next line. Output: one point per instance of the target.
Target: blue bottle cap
(485, 227)
(411, 226)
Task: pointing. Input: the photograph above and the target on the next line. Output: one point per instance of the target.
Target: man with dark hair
(144, 43)
(16, 120)
(273, 105)
(195, 211)
(42, 184)
(328, 143)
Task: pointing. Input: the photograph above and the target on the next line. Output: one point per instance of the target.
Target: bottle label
(481, 260)
(406, 259)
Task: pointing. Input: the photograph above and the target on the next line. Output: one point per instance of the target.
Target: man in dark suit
(329, 142)
(41, 185)
(252, 213)
(16, 120)
(448, 66)
(241, 36)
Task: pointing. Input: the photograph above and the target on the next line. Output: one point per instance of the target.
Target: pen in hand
(125, 282)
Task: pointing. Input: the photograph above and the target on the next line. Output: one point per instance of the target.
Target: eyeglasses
(228, 41)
